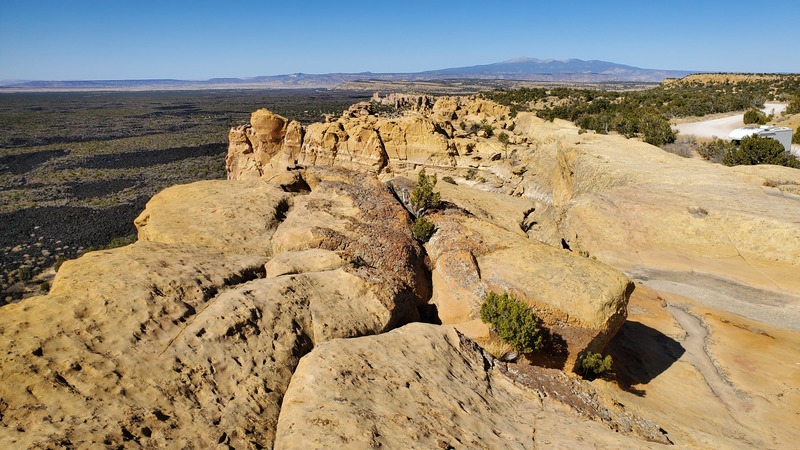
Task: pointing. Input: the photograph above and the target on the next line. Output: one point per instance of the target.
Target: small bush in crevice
(594, 364)
(423, 197)
(423, 229)
(448, 179)
(513, 321)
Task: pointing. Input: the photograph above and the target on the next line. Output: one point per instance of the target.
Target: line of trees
(646, 113)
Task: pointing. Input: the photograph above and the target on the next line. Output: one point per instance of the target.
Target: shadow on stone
(641, 354)
(554, 352)
(429, 313)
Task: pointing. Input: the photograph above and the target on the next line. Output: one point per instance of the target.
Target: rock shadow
(554, 351)
(640, 354)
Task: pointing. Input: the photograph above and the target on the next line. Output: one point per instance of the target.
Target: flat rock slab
(421, 387)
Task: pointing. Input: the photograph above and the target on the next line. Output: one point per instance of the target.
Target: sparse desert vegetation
(645, 113)
(77, 168)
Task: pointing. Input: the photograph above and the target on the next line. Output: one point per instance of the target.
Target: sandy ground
(723, 126)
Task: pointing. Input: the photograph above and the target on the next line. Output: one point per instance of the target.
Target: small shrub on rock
(513, 321)
(59, 261)
(593, 364)
(423, 197)
(423, 229)
(448, 179)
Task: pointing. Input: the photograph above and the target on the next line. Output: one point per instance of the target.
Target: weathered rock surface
(212, 214)
(191, 336)
(422, 386)
(182, 339)
(360, 140)
(581, 302)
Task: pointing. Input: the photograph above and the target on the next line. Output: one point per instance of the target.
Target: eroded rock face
(360, 140)
(581, 302)
(421, 387)
(190, 337)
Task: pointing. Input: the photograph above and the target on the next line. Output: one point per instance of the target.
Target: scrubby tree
(423, 197)
(656, 130)
(503, 138)
(593, 364)
(753, 150)
(755, 116)
(513, 321)
(794, 106)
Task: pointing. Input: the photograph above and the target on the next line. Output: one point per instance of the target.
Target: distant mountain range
(522, 69)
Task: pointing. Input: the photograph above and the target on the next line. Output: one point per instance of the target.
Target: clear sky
(196, 40)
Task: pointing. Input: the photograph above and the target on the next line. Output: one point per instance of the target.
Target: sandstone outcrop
(190, 337)
(581, 302)
(422, 387)
(268, 310)
(361, 140)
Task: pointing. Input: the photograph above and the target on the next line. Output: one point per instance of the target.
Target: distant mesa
(522, 69)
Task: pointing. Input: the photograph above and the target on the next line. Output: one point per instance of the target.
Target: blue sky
(141, 39)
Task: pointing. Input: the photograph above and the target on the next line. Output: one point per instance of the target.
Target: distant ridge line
(515, 69)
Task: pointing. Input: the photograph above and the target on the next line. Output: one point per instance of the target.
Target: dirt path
(723, 126)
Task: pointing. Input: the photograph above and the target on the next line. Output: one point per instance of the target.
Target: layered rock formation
(185, 338)
(270, 310)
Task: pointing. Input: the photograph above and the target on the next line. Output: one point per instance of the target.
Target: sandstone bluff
(290, 306)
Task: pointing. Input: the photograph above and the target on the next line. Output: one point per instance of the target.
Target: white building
(780, 134)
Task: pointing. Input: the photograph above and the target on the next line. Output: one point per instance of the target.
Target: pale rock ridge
(360, 140)
(182, 339)
(422, 387)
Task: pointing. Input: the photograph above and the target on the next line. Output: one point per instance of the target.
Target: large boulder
(228, 216)
(581, 302)
(421, 387)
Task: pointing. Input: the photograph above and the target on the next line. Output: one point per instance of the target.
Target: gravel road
(721, 127)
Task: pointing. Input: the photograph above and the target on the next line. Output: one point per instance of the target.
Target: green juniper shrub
(593, 364)
(753, 150)
(715, 150)
(448, 179)
(423, 197)
(513, 321)
(24, 273)
(755, 116)
(423, 229)
(504, 139)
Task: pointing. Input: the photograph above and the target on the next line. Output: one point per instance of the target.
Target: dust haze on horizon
(97, 40)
